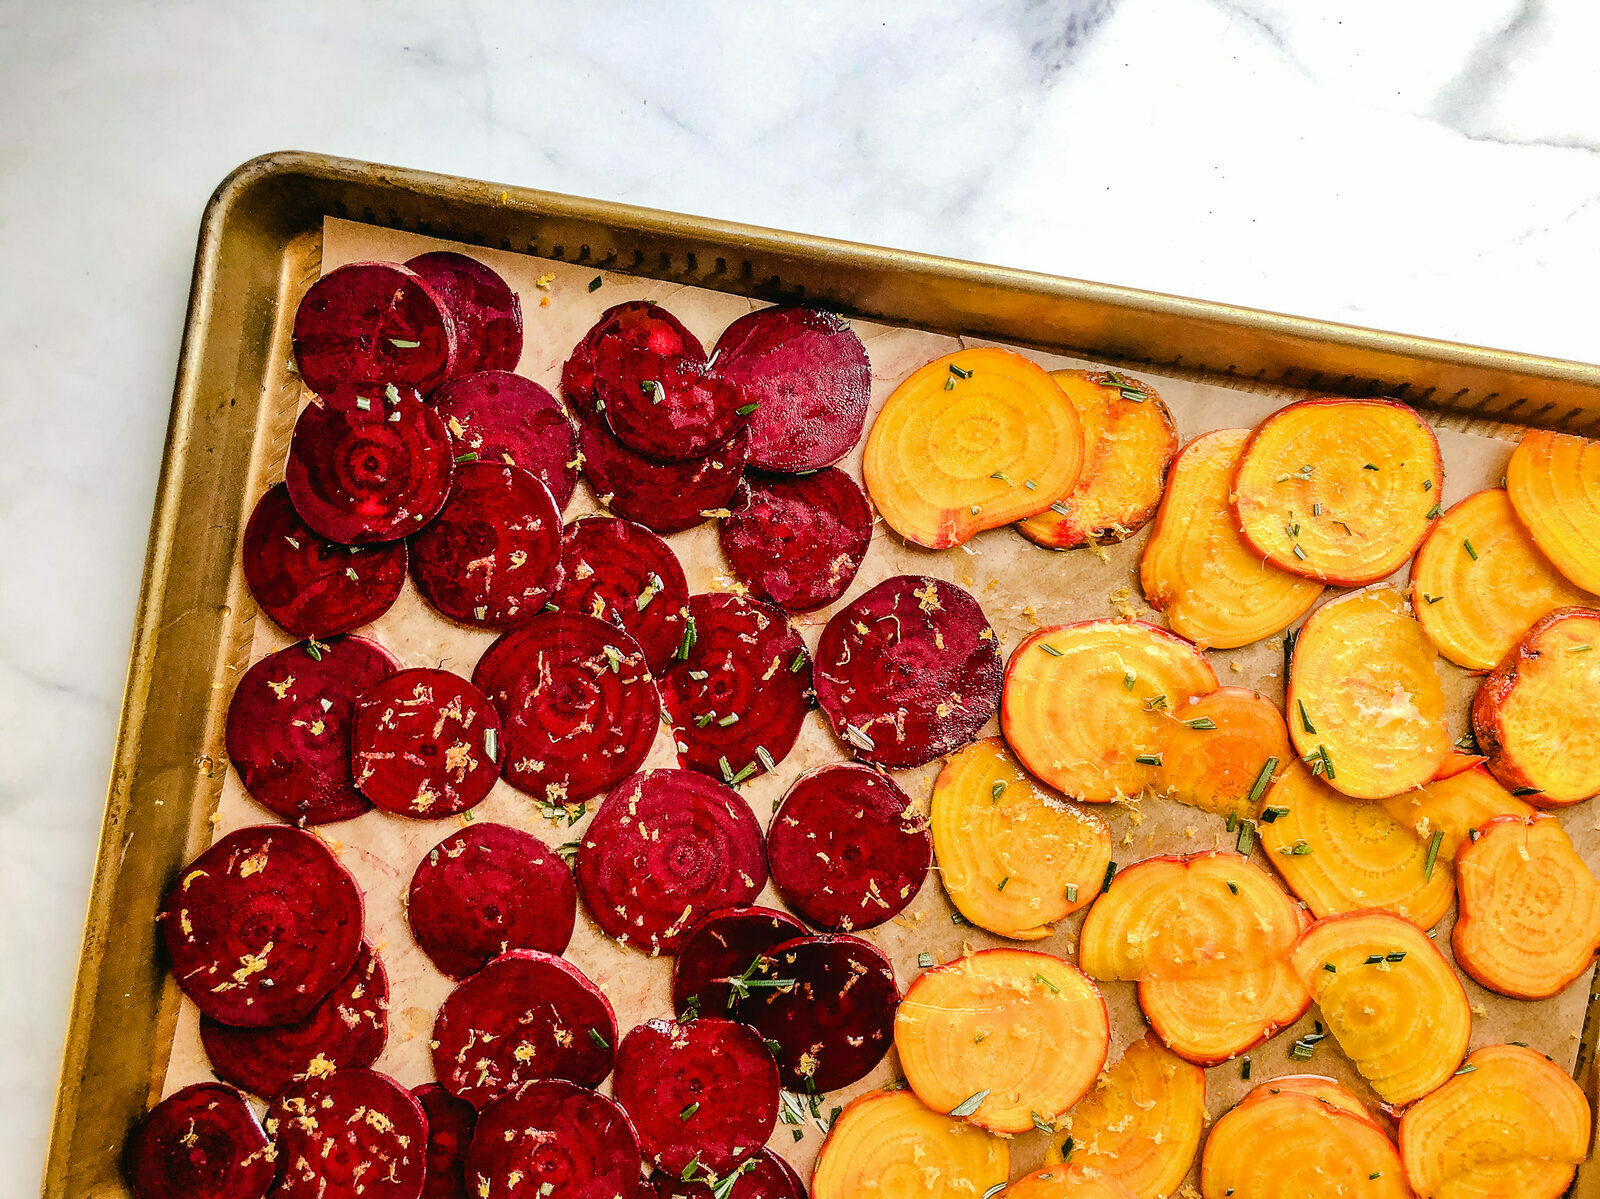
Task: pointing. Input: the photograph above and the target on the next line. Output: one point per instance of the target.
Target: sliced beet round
(289, 723)
(836, 1021)
(371, 323)
(672, 407)
(202, 1142)
(450, 1125)
(359, 475)
(705, 1089)
(847, 848)
(666, 497)
(425, 743)
(638, 325)
(807, 373)
(798, 540)
(725, 944)
(624, 574)
(351, 1134)
(525, 1016)
(740, 688)
(487, 889)
(346, 1029)
(310, 586)
(493, 554)
(504, 418)
(261, 926)
(665, 848)
(485, 311)
(577, 703)
(908, 671)
(556, 1139)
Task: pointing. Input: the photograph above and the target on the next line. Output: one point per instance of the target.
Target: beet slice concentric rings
(487, 889)
(908, 671)
(450, 1125)
(512, 421)
(623, 574)
(665, 848)
(798, 541)
(424, 743)
(725, 944)
(666, 497)
(556, 1139)
(352, 1134)
(202, 1142)
(486, 313)
(847, 848)
(372, 323)
(672, 407)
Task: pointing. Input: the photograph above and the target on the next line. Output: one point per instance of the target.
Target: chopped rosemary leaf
(599, 1039)
(1466, 544)
(1305, 718)
(1435, 511)
(1398, 955)
(1001, 885)
(798, 663)
(974, 1101)
(1316, 509)
(1068, 1148)
(747, 409)
(1233, 887)
(1203, 723)
(1433, 853)
(690, 636)
(1369, 466)
(1148, 759)
(1330, 967)
(1111, 872)
(1128, 680)
(1050, 649)
(1045, 982)
(1041, 1123)
(1427, 484)
(1432, 599)
(767, 763)
(725, 721)
(1156, 703)
(1060, 509)
(950, 383)
(594, 284)
(1299, 849)
(1298, 552)
(1373, 959)
(1247, 837)
(924, 960)
(996, 791)
(1273, 812)
(1072, 892)
(858, 738)
(1233, 821)
(959, 373)
(1259, 787)
(1467, 1069)
(1244, 1067)
(688, 1111)
(401, 343)
(704, 719)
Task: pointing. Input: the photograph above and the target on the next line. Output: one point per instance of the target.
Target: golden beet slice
(1087, 707)
(1328, 1091)
(1553, 481)
(1129, 439)
(974, 440)
(1222, 751)
(1198, 572)
(1453, 804)
(1338, 490)
(1537, 714)
(888, 1144)
(1068, 1182)
(1366, 707)
(1014, 857)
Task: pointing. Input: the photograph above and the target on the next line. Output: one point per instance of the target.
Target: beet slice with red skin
(289, 722)
(310, 586)
(622, 573)
(836, 1022)
(371, 323)
(202, 1142)
(450, 1125)
(506, 419)
(665, 497)
(706, 1089)
(525, 1016)
(798, 541)
(725, 944)
(665, 848)
(362, 475)
(554, 1135)
(577, 704)
(347, 1029)
(424, 743)
(488, 889)
(908, 670)
(765, 1176)
(493, 554)
(738, 696)
(847, 848)
(352, 1134)
(671, 407)
(808, 375)
(486, 313)
(261, 926)
(638, 325)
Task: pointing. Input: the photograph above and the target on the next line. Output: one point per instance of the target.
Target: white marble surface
(1425, 165)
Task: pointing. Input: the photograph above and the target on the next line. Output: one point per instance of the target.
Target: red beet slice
(807, 373)
(345, 1030)
(311, 586)
(371, 323)
(666, 497)
(261, 926)
(555, 1139)
(706, 1090)
(577, 703)
(765, 1175)
(487, 889)
(504, 418)
(836, 1022)
(493, 554)
(525, 1016)
(450, 1125)
(671, 407)
(798, 541)
(740, 689)
(725, 944)
(848, 849)
(289, 724)
(624, 574)
(358, 475)
(638, 325)
(353, 1134)
(908, 671)
(425, 743)
(665, 848)
(485, 311)
(202, 1142)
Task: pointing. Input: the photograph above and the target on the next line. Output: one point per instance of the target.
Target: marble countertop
(1389, 166)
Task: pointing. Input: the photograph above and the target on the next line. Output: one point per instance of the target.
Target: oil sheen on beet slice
(506, 419)
(261, 926)
(807, 373)
(487, 889)
(765, 1176)
(638, 325)
(202, 1142)
(351, 1134)
(908, 671)
(372, 323)
(622, 573)
(672, 407)
(485, 311)
(665, 848)
(346, 1029)
(554, 1139)
(289, 722)
(450, 1125)
(310, 586)
(722, 945)
(525, 1016)
(739, 689)
(493, 554)
(847, 848)
(424, 743)
(577, 704)
(797, 540)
